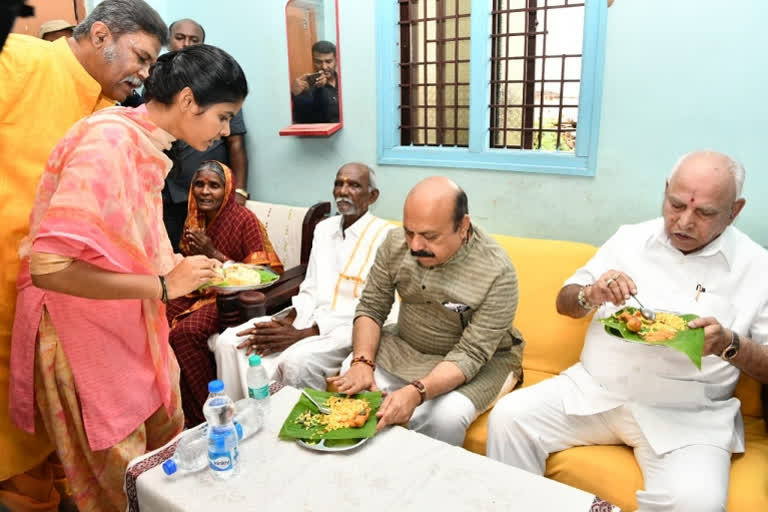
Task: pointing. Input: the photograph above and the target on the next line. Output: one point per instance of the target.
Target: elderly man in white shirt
(309, 344)
(683, 423)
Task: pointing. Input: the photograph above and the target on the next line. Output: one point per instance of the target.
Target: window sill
(548, 162)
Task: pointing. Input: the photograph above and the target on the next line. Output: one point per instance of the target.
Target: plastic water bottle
(223, 453)
(258, 385)
(249, 417)
(191, 453)
(258, 382)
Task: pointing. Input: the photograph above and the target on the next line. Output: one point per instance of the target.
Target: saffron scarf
(235, 230)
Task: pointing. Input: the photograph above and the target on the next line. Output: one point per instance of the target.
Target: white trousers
(306, 363)
(445, 418)
(528, 424)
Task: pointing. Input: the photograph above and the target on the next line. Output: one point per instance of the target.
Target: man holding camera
(316, 95)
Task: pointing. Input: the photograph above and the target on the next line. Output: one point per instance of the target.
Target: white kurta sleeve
(758, 331)
(306, 300)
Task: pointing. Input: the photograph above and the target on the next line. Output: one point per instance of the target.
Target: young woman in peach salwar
(90, 354)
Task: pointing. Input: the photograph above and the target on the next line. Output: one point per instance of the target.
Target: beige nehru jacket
(461, 311)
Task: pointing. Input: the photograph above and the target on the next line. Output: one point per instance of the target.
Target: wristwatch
(422, 389)
(732, 349)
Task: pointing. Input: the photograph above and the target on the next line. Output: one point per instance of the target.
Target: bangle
(582, 298)
(421, 388)
(364, 360)
(164, 296)
(243, 193)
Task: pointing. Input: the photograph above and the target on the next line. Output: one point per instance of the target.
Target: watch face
(730, 353)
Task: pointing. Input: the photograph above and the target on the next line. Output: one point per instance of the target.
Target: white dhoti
(445, 418)
(528, 424)
(336, 274)
(307, 363)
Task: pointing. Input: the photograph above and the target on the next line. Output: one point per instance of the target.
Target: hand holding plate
(191, 273)
(716, 337)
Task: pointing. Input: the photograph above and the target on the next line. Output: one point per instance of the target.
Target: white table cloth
(396, 470)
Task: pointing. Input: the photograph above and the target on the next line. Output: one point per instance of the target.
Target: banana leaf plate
(688, 341)
(335, 440)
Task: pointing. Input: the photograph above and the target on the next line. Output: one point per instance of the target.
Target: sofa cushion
(477, 433)
(612, 473)
(553, 342)
(748, 391)
(284, 226)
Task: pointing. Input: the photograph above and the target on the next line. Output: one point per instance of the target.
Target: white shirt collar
(723, 244)
(355, 229)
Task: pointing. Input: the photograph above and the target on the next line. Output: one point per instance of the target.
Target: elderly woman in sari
(220, 228)
(90, 360)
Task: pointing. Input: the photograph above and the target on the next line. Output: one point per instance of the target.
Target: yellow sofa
(553, 343)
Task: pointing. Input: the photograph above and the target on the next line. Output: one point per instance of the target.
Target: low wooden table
(396, 470)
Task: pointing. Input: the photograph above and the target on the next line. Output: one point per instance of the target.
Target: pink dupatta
(99, 201)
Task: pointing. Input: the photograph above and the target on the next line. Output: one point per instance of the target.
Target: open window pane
(536, 48)
(434, 72)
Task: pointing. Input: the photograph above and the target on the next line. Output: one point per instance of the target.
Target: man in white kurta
(682, 422)
(310, 343)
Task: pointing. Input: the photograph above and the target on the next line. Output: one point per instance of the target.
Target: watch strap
(733, 348)
(421, 388)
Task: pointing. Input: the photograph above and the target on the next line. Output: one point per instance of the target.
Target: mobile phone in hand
(311, 79)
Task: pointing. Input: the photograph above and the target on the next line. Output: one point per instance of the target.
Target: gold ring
(615, 276)
(608, 281)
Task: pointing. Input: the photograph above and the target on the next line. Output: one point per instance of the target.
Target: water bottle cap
(239, 430)
(215, 386)
(169, 467)
(254, 360)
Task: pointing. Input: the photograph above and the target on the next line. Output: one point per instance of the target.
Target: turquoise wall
(679, 76)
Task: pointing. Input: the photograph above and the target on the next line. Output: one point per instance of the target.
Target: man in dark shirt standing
(186, 160)
(316, 95)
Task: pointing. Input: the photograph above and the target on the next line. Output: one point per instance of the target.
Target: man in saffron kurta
(312, 341)
(47, 87)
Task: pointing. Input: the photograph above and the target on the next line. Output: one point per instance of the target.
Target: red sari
(238, 233)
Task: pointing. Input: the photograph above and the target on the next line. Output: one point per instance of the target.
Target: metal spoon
(647, 313)
(323, 410)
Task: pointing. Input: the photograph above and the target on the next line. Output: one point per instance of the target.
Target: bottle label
(222, 448)
(221, 461)
(258, 393)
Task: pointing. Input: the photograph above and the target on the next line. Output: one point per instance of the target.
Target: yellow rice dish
(663, 328)
(345, 413)
(239, 274)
